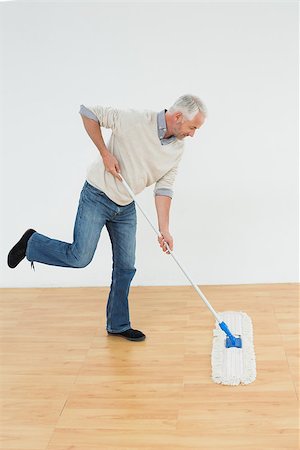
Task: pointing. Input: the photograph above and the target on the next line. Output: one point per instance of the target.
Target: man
(145, 147)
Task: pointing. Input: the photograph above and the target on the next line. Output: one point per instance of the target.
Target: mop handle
(171, 252)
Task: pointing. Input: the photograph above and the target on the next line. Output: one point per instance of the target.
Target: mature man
(145, 147)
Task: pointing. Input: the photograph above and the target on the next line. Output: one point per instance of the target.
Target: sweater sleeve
(107, 117)
(164, 186)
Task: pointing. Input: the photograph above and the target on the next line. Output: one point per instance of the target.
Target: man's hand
(111, 164)
(165, 238)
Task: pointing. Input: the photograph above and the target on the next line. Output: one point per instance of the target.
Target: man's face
(184, 127)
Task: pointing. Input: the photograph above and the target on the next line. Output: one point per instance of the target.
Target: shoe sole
(127, 338)
(15, 247)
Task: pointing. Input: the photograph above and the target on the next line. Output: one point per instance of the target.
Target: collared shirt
(162, 128)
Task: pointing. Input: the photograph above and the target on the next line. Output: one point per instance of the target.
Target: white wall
(234, 213)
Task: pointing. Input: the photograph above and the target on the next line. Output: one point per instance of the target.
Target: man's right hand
(111, 164)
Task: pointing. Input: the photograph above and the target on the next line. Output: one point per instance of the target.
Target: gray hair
(189, 106)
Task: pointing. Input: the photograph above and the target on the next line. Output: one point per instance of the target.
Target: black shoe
(18, 252)
(131, 335)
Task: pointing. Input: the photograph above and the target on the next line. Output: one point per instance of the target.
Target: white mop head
(233, 366)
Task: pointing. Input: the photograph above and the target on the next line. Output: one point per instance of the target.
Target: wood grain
(66, 385)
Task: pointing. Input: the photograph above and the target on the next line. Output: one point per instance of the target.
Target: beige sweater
(143, 160)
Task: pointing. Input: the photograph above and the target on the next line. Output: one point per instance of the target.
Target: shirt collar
(162, 128)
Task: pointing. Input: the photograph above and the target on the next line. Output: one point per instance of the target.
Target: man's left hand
(164, 238)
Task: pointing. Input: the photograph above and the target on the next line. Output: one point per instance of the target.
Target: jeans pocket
(92, 190)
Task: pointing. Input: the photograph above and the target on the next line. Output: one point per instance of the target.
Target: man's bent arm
(93, 129)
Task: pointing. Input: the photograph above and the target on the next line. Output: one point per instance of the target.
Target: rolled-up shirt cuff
(163, 191)
(87, 113)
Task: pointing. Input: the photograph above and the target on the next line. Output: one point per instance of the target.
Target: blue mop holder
(231, 341)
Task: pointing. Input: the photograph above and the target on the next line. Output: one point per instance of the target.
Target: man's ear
(178, 116)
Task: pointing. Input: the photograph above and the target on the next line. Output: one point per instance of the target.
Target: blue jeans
(95, 210)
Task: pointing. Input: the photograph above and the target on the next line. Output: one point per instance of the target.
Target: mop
(233, 357)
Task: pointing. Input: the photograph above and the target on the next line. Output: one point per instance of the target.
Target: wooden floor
(67, 385)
